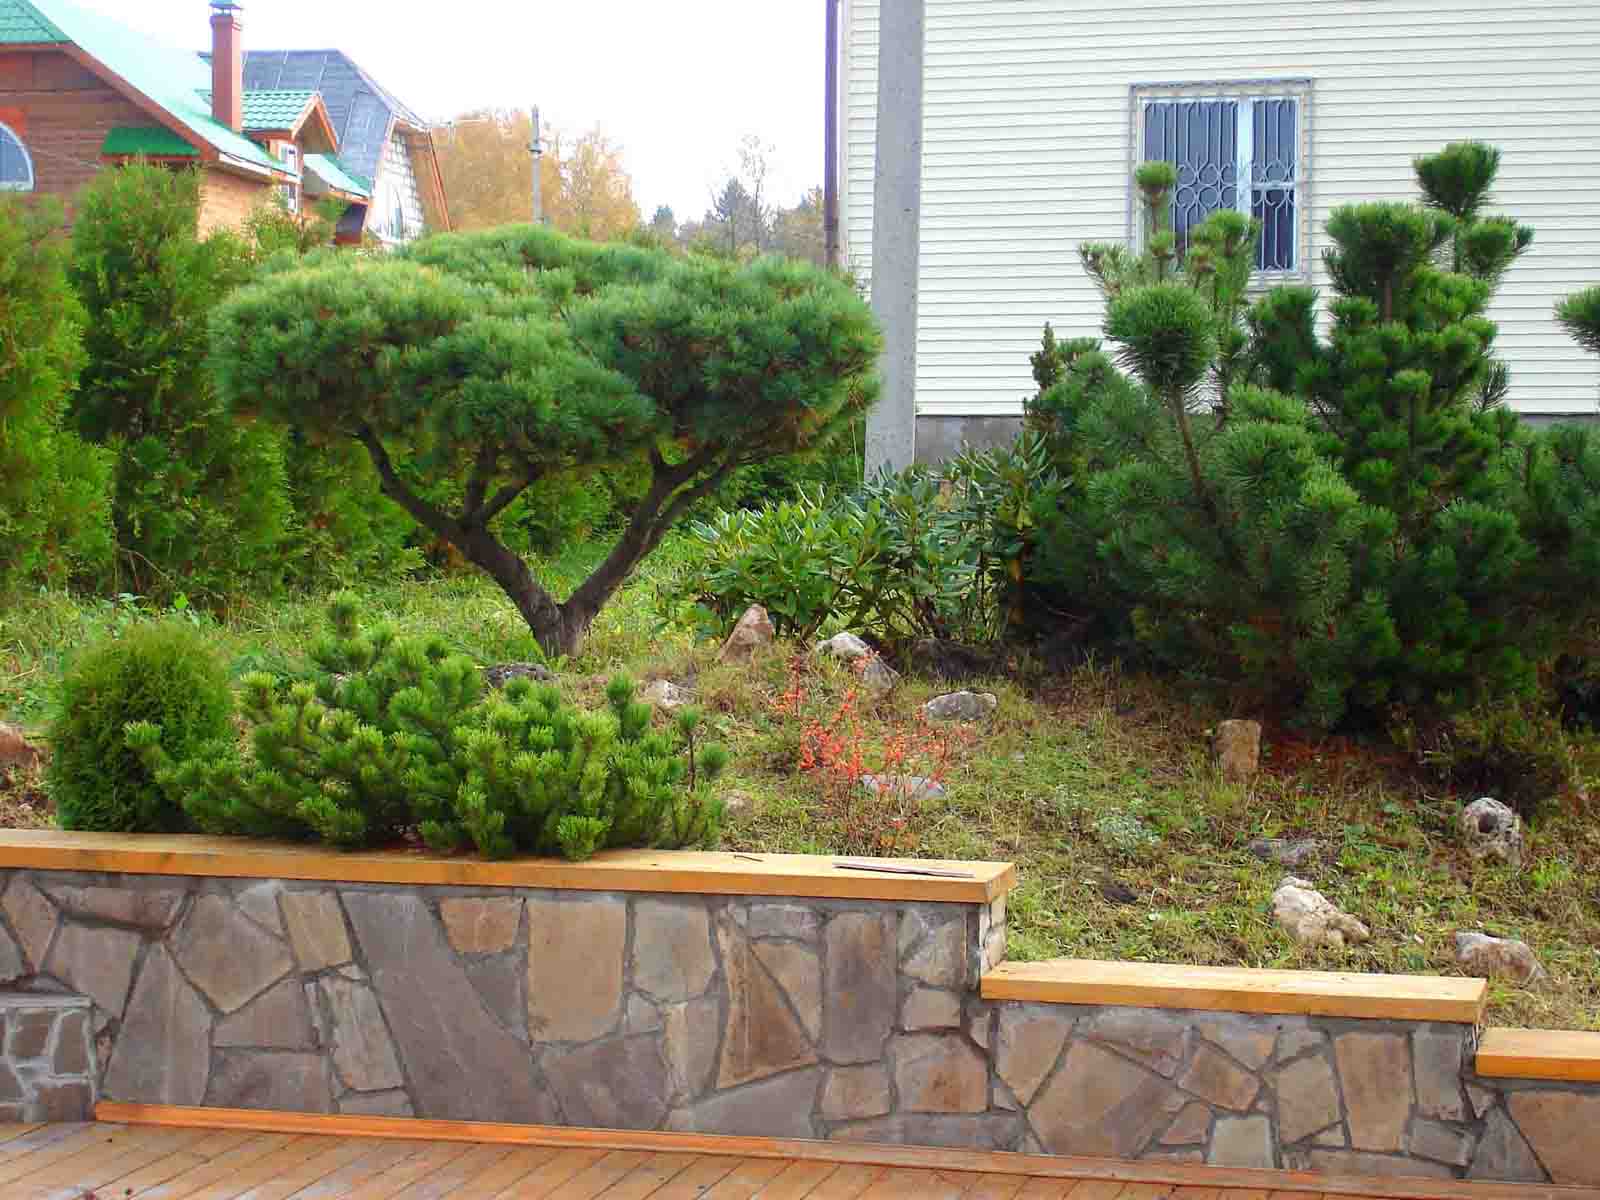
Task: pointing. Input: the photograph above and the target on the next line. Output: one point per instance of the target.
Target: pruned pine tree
(474, 365)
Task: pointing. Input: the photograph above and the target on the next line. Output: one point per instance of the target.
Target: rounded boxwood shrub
(159, 671)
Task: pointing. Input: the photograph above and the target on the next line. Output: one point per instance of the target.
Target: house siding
(67, 113)
(397, 173)
(1027, 153)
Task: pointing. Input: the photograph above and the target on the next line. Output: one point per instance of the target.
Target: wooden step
(1240, 989)
(1540, 1054)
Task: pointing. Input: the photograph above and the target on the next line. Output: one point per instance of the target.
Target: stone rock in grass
(16, 750)
(1311, 919)
(501, 674)
(665, 695)
(1499, 958)
(962, 706)
(910, 787)
(1286, 852)
(1491, 830)
(1238, 748)
(847, 647)
(753, 632)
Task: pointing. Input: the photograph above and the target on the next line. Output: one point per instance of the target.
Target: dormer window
(16, 164)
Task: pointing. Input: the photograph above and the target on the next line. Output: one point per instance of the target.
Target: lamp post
(536, 148)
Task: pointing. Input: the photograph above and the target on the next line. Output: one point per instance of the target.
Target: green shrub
(54, 490)
(1516, 752)
(1327, 524)
(395, 736)
(155, 671)
(915, 555)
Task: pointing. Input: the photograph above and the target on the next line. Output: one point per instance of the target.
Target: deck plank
(186, 1183)
(432, 1157)
(100, 1167)
(849, 1182)
(442, 1185)
(80, 1139)
(518, 1165)
(379, 1157)
(798, 1180)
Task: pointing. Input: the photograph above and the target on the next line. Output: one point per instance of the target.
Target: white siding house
(1036, 111)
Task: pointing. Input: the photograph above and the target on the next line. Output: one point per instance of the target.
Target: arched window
(16, 167)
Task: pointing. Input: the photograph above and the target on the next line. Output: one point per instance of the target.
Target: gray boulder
(961, 706)
(1499, 958)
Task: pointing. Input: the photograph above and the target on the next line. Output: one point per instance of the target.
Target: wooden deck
(155, 1162)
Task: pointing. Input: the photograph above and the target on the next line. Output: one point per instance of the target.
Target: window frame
(289, 157)
(1300, 90)
(27, 158)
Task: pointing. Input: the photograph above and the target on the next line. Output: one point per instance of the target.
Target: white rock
(1499, 958)
(961, 706)
(912, 787)
(1311, 919)
(1491, 830)
(847, 647)
(665, 694)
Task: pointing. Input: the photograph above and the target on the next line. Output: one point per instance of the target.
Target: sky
(677, 84)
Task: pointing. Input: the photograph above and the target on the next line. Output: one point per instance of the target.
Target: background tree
(797, 231)
(585, 186)
(54, 489)
(200, 503)
(664, 225)
(475, 365)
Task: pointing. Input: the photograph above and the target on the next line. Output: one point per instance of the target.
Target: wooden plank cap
(1240, 989)
(704, 872)
(1568, 1055)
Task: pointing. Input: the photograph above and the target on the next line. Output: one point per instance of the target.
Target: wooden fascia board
(431, 177)
(316, 113)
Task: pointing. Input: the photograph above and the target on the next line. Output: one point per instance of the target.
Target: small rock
(961, 706)
(753, 631)
(1491, 830)
(503, 673)
(1238, 748)
(1503, 958)
(912, 787)
(735, 802)
(1286, 852)
(847, 647)
(1310, 918)
(665, 694)
(1117, 892)
(16, 750)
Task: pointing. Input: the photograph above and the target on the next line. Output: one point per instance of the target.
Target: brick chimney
(227, 64)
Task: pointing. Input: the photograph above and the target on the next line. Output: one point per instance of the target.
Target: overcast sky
(676, 82)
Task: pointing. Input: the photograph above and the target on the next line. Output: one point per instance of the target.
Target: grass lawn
(1098, 784)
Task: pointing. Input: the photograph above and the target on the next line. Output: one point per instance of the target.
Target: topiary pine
(395, 737)
(474, 365)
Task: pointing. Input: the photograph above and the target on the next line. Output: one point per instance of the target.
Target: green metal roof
(270, 110)
(154, 141)
(332, 172)
(172, 79)
(21, 24)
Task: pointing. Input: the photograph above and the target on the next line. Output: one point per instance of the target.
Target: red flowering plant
(870, 788)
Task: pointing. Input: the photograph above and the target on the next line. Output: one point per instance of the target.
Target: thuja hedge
(395, 737)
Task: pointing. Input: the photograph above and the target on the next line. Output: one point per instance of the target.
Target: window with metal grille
(16, 166)
(1233, 149)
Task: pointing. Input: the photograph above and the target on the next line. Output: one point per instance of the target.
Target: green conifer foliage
(54, 490)
(395, 737)
(476, 365)
(1406, 389)
(200, 500)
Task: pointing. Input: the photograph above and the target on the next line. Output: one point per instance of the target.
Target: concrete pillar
(897, 231)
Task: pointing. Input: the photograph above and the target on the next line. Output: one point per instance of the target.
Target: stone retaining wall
(1344, 1097)
(47, 1072)
(782, 1017)
(723, 1014)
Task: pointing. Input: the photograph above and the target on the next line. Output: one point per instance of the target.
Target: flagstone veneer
(776, 1015)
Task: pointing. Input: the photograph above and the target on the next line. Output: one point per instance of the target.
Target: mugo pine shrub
(395, 736)
(1331, 526)
(161, 672)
